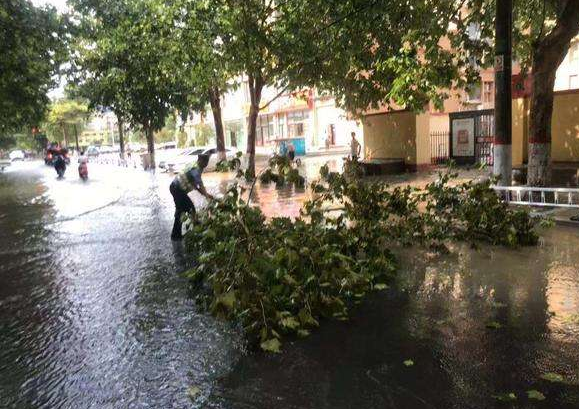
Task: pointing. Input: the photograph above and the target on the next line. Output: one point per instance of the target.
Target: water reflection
(476, 323)
(93, 313)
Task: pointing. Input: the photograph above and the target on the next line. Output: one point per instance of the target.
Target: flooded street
(94, 314)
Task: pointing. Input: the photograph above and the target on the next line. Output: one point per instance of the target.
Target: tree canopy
(33, 46)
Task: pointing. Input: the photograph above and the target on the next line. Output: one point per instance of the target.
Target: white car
(189, 157)
(16, 155)
(180, 159)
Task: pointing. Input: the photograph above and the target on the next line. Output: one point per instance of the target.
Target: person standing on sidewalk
(185, 182)
(355, 147)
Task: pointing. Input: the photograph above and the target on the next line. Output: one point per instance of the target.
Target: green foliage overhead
(123, 60)
(33, 45)
(369, 53)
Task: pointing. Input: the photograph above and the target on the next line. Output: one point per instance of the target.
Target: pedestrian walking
(185, 182)
(291, 151)
(355, 147)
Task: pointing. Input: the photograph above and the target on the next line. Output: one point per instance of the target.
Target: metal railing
(439, 142)
(539, 196)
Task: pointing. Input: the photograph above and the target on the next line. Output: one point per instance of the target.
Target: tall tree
(201, 62)
(124, 51)
(258, 41)
(33, 45)
(549, 35)
(67, 116)
(543, 30)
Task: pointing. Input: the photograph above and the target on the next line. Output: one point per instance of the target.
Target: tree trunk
(121, 138)
(255, 88)
(150, 145)
(76, 138)
(215, 100)
(502, 164)
(64, 136)
(549, 52)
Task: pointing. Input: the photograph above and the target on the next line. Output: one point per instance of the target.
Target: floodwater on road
(94, 314)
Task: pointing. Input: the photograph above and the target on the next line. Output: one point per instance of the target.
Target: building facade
(416, 138)
(309, 115)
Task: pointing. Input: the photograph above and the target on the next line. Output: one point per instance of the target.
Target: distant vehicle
(167, 145)
(190, 158)
(16, 155)
(92, 151)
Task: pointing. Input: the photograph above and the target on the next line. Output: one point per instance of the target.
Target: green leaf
(506, 397)
(290, 322)
(494, 325)
(380, 287)
(271, 345)
(193, 392)
(408, 363)
(536, 395)
(552, 377)
(302, 333)
(227, 300)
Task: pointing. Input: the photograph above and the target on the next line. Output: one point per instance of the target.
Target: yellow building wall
(439, 123)
(390, 135)
(423, 128)
(519, 130)
(565, 127)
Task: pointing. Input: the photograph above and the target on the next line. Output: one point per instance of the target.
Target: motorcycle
(60, 165)
(83, 171)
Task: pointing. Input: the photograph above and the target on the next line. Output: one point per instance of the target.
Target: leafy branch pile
(280, 277)
(281, 172)
(229, 165)
(470, 211)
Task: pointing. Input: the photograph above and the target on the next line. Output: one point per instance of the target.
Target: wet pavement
(94, 314)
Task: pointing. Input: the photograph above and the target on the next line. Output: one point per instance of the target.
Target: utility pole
(503, 161)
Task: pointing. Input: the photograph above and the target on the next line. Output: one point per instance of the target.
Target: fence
(539, 196)
(439, 147)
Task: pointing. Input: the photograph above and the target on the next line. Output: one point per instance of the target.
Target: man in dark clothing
(185, 182)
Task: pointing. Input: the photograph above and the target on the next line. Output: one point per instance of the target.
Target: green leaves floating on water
(553, 377)
(193, 392)
(536, 395)
(506, 397)
(494, 325)
(271, 345)
(408, 363)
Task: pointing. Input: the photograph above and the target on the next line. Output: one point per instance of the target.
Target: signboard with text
(463, 137)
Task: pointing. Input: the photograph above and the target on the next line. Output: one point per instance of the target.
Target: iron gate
(471, 137)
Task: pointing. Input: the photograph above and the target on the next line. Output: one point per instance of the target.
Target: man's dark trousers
(183, 204)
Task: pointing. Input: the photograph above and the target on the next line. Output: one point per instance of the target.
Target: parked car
(92, 151)
(190, 157)
(180, 159)
(16, 155)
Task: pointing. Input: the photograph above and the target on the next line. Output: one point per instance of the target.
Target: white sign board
(463, 137)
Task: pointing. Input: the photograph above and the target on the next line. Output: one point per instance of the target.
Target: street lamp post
(503, 164)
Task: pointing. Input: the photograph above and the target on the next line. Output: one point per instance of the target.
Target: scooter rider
(184, 183)
(59, 160)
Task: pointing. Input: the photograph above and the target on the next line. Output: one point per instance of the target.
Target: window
(574, 81)
(245, 90)
(474, 93)
(296, 124)
(265, 129)
(282, 132)
(488, 91)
